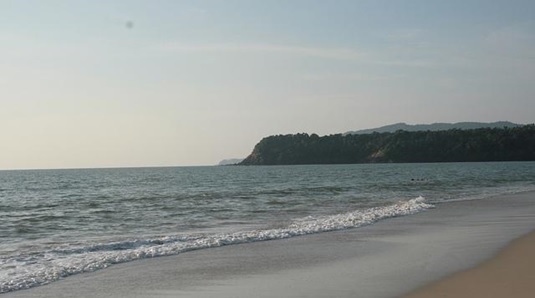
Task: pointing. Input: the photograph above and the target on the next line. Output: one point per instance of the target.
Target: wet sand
(511, 273)
(386, 259)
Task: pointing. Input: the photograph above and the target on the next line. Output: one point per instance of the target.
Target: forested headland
(455, 145)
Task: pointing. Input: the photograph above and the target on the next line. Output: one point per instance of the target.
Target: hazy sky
(154, 83)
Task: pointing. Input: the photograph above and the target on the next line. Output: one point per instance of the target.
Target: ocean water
(56, 223)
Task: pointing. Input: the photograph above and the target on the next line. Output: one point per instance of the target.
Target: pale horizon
(106, 84)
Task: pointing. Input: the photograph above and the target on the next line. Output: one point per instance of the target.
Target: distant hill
(435, 127)
(231, 161)
(454, 145)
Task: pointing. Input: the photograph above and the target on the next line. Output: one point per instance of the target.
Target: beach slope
(387, 259)
(511, 273)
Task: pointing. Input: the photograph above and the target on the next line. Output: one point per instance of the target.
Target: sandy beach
(387, 259)
(511, 273)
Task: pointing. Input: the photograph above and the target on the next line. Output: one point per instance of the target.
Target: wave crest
(26, 271)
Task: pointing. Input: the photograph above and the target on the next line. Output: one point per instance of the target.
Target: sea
(57, 223)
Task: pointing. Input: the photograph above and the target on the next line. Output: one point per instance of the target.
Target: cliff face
(485, 144)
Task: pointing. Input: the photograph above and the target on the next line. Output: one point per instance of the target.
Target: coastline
(508, 274)
(387, 259)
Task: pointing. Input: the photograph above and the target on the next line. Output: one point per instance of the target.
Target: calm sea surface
(55, 223)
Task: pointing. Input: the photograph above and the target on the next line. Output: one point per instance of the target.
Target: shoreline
(510, 273)
(386, 259)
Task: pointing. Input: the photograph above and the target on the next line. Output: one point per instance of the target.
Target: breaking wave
(39, 268)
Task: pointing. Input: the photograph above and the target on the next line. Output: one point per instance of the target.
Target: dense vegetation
(455, 145)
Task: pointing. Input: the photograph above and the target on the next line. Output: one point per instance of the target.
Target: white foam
(25, 271)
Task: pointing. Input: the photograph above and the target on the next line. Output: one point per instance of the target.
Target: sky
(181, 83)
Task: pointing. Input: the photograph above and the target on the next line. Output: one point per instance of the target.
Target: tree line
(455, 145)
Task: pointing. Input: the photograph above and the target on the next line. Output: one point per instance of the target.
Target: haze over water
(122, 83)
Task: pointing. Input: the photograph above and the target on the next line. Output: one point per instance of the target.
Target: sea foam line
(22, 272)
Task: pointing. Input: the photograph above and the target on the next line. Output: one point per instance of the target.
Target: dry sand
(510, 274)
